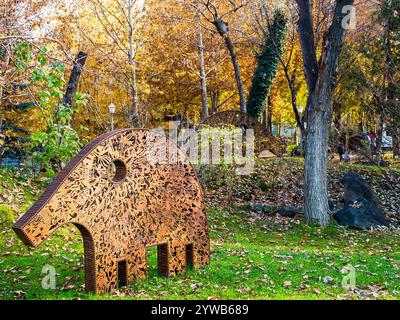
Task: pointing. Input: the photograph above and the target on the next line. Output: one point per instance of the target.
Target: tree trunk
(269, 115)
(74, 78)
(72, 86)
(315, 163)
(298, 116)
(132, 62)
(265, 119)
(68, 99)
(306, 33)
(347, 144)
(134, 114)
(214, 101)
(238, 77)
(379, 138)
(319, 107)
(203, 83)
(269, 123)
(222, 28)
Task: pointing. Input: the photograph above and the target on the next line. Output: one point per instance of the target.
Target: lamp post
(111, 109)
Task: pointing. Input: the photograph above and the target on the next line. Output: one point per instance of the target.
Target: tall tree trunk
(315, 164)
(238, 77)
(79, 64)
(265, 119)
(319, 107)
(203, 83)
(379, 138)
(72, 86)
(388, 90)
(214, 101)
(347, 144)
(68, 99)
(134, 113)
(132, 62)
(269, 119)
(297, 114)
(306, 33)
(222, 28)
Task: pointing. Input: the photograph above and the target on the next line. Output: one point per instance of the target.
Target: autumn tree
(321, 78)
(216, 16)
(388, 17)
(120, 22)
(369, 75)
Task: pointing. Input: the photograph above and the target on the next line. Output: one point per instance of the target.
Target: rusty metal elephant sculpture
(125, 195)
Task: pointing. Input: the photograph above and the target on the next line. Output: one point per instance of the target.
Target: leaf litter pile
(279, 183)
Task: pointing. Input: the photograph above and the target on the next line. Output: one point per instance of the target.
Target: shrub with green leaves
(59, 142)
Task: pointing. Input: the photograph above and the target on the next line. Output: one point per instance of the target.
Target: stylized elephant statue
(125, 191)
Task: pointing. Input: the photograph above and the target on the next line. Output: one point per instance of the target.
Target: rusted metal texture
(125, 194)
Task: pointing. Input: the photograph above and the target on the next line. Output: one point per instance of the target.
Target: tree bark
(306, 33)
(222, 28)
(72, 86)
(269, 118)
(265, 119)
(74, 78)
(347, 144)
(379, 138)
(238, 77)
(321, 84)
(203, 83)
(132, 62)
(214, 101)
(134, 115)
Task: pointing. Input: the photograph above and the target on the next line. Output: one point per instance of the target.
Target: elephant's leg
(201, 252)
(176, 258)
(106, 274)
(137, 265)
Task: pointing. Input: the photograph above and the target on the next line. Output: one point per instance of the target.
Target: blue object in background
(11, 163)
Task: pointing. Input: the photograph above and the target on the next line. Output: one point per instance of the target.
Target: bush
(290, 148)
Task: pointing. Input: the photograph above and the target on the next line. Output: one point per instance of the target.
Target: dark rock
(264, 208)
(356, 189)
(362, 210)
(289, 212)
(364, 217)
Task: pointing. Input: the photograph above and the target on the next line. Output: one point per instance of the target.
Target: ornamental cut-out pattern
(124, 196)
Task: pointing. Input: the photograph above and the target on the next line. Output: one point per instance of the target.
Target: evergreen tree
(268, 65)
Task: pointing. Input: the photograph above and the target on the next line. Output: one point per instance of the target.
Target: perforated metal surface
(124, 196)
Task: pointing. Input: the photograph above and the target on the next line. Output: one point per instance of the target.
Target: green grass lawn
(252, 258)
